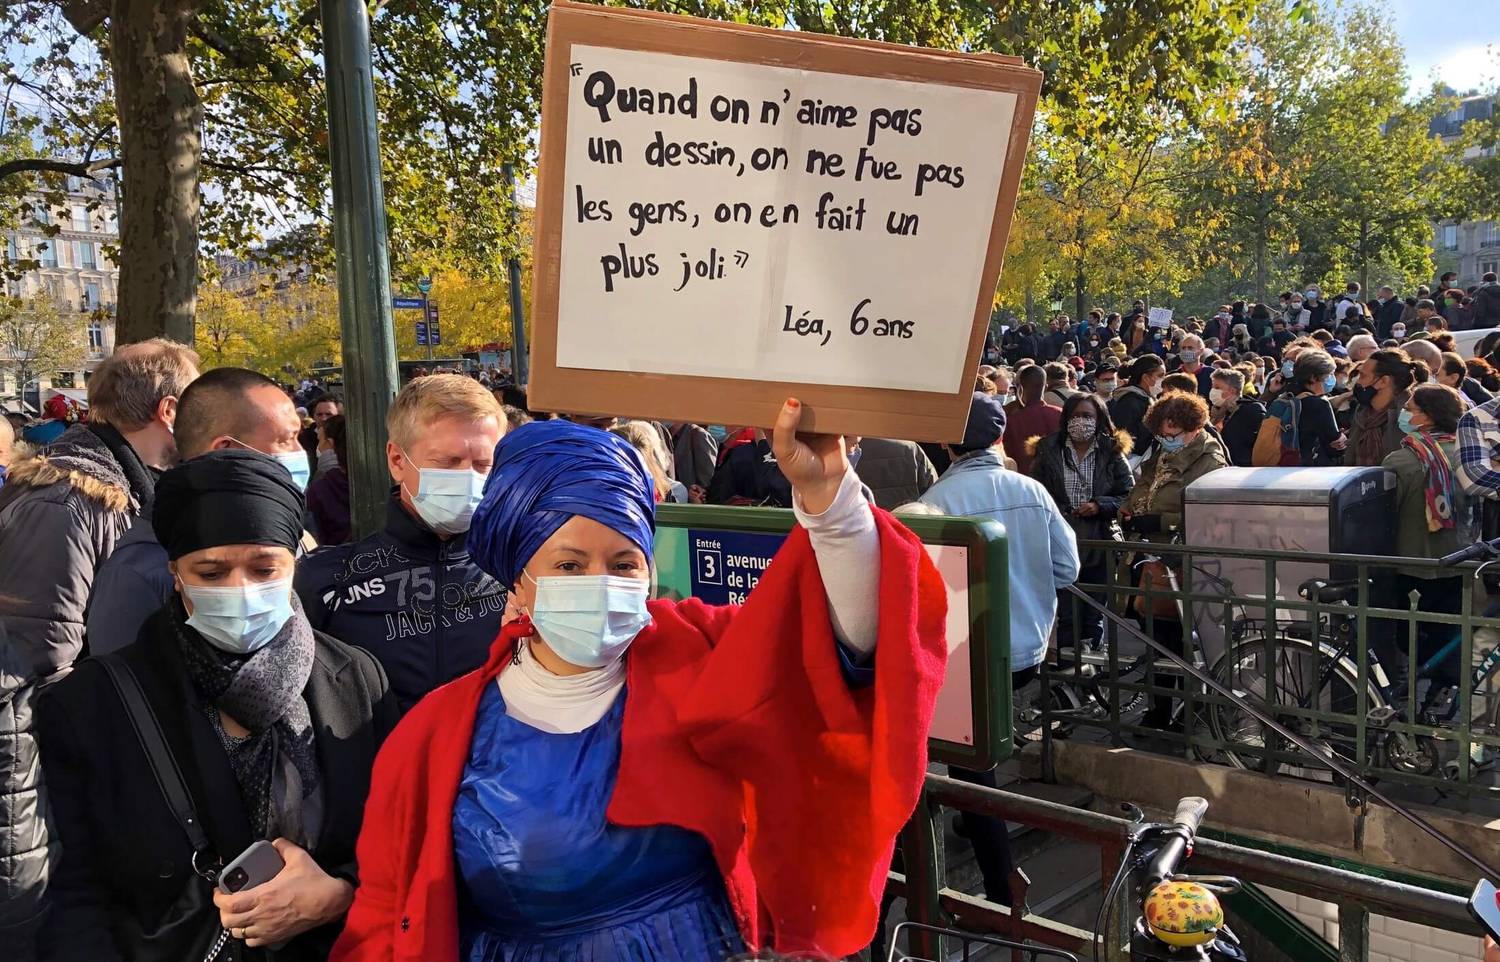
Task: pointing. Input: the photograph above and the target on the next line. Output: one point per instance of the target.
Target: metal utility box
(1285, 511)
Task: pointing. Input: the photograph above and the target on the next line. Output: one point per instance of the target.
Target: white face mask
(240, 619)
(1216, 397)
(296, 463)
(589, 620)
(446, 498)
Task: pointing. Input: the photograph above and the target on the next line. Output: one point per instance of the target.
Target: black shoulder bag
(190, 929)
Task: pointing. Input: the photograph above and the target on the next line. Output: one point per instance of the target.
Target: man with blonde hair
(409, 593)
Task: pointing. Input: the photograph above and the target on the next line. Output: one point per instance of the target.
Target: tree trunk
(1364, 259)
(1260, 263)
(161, 145)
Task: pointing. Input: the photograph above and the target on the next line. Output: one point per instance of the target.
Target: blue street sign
(421, 332)
(437, 335)
(406, 303)
(424, 284)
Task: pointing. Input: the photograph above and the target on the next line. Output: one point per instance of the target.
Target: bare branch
(37, 165)
(244, 59)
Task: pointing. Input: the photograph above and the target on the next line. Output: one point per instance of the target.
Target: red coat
(738, 725)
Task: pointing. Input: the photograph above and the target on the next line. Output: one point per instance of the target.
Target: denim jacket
(1040, 544)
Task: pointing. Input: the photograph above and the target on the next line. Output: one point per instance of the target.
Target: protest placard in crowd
(728, 215)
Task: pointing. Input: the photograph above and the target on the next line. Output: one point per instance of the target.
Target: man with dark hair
(1388, 311)
(228, 407)
(1486, 307)
(1029, 416)
(320, 410)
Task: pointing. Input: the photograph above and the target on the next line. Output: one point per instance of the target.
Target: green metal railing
(1253, 632)
(929, 900)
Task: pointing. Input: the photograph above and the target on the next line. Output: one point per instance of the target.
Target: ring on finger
(238, 933)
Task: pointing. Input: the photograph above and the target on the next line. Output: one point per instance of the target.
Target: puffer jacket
(1112, 483)
(61, 513)
(27, 854)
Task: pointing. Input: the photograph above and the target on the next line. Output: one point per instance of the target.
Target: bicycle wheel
(1297, 667)
(1030, 701)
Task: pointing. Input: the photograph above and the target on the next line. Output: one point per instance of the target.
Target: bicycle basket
(976, 947)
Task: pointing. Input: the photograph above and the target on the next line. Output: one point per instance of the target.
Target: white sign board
(1159, 317)
(830, 230)
(728, 215)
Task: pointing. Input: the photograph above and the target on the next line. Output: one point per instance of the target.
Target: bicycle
(1315, 669)
(1180, 916)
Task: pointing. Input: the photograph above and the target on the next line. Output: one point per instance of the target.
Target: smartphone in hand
(256, 865)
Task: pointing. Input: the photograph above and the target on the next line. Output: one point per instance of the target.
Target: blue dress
(544, 877)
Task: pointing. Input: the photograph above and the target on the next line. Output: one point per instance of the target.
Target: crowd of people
(199, 652)
(197, 659)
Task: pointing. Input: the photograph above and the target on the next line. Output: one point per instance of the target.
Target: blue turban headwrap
(546, 472)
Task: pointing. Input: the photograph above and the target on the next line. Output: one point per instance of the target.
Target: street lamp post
(369, 344)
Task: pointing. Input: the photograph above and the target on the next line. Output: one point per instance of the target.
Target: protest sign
(729, 215)
(1159, 317)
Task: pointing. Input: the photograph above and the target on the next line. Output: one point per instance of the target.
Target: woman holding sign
(658, 780)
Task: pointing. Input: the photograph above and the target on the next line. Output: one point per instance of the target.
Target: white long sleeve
(847, 547)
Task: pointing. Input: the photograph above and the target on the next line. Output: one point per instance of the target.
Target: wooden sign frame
(874, 412)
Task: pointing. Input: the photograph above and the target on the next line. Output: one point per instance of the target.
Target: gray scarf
(263, 692)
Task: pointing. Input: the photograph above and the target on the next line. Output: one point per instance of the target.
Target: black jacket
(750, 475)
(418, 603)
(124, 854)
(27, 854)
(1386, 315)
(1240, 430)
(896, 472)
(1112, 482)
(1486, 309)
(1128, 410)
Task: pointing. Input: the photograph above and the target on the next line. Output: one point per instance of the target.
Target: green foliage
(37, 339)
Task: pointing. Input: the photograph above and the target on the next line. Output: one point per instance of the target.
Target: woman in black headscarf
(273, 727)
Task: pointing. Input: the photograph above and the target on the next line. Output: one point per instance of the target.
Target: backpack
(1278, 444)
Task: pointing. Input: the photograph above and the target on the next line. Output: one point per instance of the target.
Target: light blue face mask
(445, 498)
(1287, 368)
(1329, 383)
(589, 620)
(1403, 421)
(1169, 445)
(719, 432)
(296, 463)
(243, 619)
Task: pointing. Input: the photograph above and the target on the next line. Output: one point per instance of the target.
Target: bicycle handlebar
(1477, 550)
(1190, 812)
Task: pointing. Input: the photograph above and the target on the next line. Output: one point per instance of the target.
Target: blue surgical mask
(243, 619)
(1170, 445)
(1329, 383)
(296, 463)
(445, 498)
(719, 432)
(1403, 421)
(589, 620)
(1286, 368)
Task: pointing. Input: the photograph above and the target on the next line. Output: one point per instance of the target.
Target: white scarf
(560, 704)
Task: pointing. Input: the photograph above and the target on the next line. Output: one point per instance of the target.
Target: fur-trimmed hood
(82, 460)
(1121, 440)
